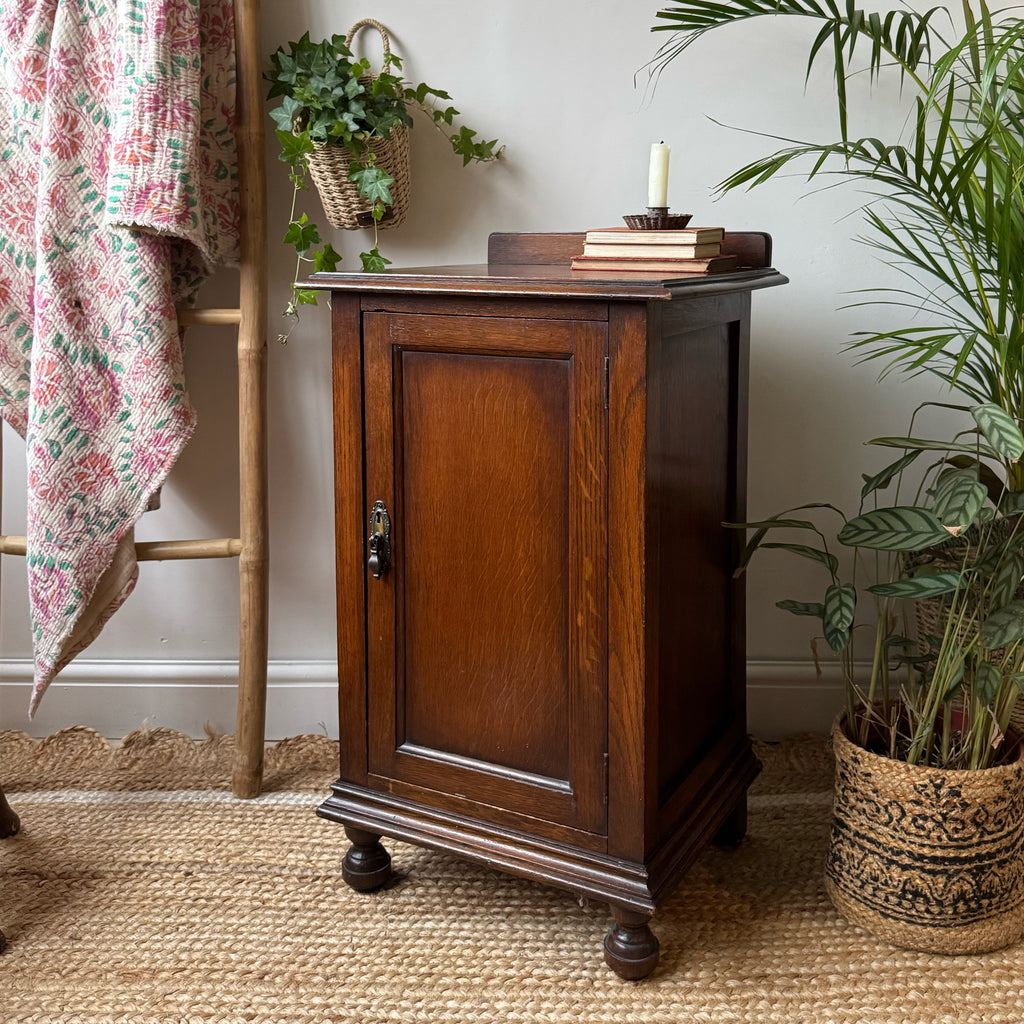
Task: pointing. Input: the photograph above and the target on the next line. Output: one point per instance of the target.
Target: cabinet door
(486, 637)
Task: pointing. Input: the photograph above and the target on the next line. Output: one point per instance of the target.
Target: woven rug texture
(140, 890)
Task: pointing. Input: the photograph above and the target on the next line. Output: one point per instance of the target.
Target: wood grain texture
(754, 248)
(631, 710)
(254, 558)
(486, 557)
(350, 525)
(486, 639)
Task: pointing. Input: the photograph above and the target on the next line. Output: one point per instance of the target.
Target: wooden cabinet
(541, 654)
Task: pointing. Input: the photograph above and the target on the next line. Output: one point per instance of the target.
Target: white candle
(657, 181)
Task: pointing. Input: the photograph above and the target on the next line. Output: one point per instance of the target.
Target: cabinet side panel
(348, 534)
(484, 470)
(696, 478)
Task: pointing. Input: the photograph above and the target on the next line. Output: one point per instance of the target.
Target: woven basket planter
(927, 859)
(328, 165)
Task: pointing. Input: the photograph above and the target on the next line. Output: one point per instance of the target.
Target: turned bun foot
(9, 823)
(367, 865)
(734, 828)
(631, 949)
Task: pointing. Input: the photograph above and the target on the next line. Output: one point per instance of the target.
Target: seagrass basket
(328, 166)
(925, 858)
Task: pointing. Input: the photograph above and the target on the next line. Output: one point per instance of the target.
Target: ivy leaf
(326, 259)
(294, 147)
(373, 183)
(373, 262)
(304, 296)
(286, 114)
(463, 145)
(302, 234)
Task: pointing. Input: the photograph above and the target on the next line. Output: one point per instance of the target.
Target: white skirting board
(117, 697)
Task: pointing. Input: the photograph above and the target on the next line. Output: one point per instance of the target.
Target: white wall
(555, 82)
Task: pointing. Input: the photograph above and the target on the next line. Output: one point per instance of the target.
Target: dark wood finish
(367, 865)
(754, 248)
(350, 524)
(631, 949)
(550, 677)
(734, 828)
(9, 823)
(501, 560)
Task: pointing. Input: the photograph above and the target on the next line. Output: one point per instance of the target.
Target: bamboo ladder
(251, 546)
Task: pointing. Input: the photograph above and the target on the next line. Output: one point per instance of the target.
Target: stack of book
(673, 251)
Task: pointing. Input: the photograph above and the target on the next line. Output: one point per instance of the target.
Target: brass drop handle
(379, 541)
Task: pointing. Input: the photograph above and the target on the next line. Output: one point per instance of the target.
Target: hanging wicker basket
(329, 167)
(924, 858)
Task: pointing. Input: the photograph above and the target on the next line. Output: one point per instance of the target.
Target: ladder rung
(158, 550)
(209, 317)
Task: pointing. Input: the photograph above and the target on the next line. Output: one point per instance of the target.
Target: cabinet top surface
(553, 280)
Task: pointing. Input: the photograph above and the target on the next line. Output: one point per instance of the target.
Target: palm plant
(944, 207)
(945, 201)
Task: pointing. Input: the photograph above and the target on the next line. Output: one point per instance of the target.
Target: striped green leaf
(933, 585)
(814, 610)
(1004, 626)
(837, 639)
(958, 498)
(1000, 430)
(1007, 580)
(881, 480)
(900, 528)
(840, 607)
(806, 551)
(922, 445)
(987, 682)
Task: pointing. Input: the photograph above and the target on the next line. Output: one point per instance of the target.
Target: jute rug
(140, 891)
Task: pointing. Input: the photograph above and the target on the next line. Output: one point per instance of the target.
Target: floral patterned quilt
(117, 196)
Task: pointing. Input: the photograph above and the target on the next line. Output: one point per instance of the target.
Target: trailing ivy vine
(330, 97)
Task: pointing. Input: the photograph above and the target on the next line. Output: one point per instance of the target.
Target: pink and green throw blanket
(117, 196)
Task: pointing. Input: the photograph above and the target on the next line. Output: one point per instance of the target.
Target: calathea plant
(943, 572)
(331, 98)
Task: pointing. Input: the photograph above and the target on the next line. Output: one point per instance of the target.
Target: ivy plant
(330, 97)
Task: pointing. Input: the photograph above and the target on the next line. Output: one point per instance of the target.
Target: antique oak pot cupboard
(541, 646)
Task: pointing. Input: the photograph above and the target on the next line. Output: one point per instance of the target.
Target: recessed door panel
(486, 635)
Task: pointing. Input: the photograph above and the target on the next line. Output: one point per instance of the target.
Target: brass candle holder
(657, 218)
